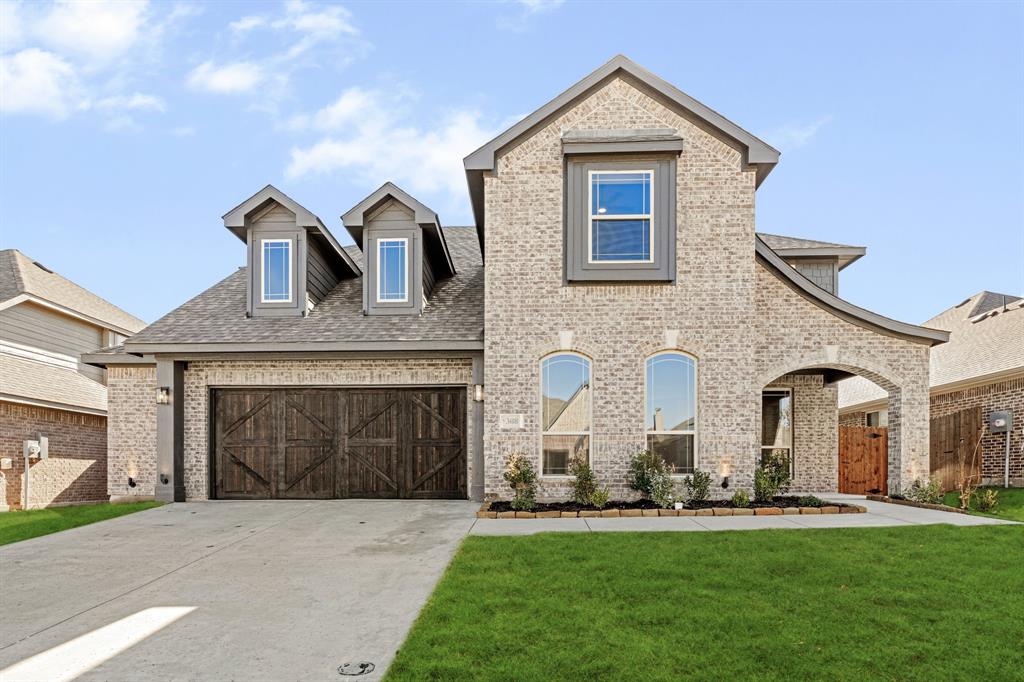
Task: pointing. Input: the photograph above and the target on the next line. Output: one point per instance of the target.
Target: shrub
(584, 483)
(698, 486)
(811, 501)
(599, 498)
(649, 476)
(771, 478)
(740, 498)
(522, 478)
(929, 493)
(987, 499)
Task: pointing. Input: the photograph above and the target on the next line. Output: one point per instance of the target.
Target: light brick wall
(853, 419)
(815, 432)
(745, 326)
(131, 429)
(201, 376)
(76, 470)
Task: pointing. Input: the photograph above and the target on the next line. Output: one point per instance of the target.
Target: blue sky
(128, 129)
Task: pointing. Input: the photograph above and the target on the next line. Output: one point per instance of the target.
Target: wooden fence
(952, 437)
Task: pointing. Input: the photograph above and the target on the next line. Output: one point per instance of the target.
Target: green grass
(919, 603)
(22, 525)
(1010, 507)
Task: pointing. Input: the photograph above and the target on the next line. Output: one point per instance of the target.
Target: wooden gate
(322, 443)
(953, 436)
(863, 460)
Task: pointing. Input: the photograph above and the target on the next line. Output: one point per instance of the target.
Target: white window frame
(792, 426)
(696, 407)
(405, 269)
(590, 412)
(263, 270)
(591, 216)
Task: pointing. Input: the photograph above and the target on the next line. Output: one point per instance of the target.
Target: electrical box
(1000, 422)
(6, 463)
(44, 447)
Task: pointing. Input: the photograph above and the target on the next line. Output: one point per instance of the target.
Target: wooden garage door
(318, 443)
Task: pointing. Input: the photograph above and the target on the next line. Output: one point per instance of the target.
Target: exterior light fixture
(163, 395)
(725, 481)
(131, 482)
(478, 393)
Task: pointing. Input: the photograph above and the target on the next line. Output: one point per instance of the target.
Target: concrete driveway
(225, 590)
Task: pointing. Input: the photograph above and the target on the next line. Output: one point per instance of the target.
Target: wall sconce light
(478, 393)
(164, 480)
(725, 481)
(163, 395)
(723, 470)
(131, 482)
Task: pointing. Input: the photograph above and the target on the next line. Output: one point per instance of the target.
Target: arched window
(565, 411)
(671, 409)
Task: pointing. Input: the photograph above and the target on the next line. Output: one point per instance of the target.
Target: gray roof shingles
(454, 311)
(778, 241)
(39, 381)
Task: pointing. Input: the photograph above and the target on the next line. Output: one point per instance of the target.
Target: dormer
(293, 261)
(820, 262)
(404, 249)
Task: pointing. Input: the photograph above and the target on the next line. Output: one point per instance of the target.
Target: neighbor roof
(39, 383)
(796, 247)
(980, 345)
(23, 279)
(757, 153)
(215, 319)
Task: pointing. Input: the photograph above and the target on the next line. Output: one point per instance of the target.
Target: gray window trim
(578, 266)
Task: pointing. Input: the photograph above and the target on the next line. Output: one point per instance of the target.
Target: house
(981, 366)
(46, 323)
(626, 303)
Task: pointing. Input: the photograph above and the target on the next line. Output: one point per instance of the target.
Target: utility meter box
(1000, 422)
(6, 463)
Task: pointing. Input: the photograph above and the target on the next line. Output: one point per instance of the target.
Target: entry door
(863, 460)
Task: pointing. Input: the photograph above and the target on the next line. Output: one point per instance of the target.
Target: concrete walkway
(224, 590)
(878, 514)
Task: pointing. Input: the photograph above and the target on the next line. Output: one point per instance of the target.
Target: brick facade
(76, 469)
(745, 327)
(815, 432)
(134, 393)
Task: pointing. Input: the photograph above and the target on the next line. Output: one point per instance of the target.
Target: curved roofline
(845, 309)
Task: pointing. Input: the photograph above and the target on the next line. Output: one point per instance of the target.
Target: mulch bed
(779, 505)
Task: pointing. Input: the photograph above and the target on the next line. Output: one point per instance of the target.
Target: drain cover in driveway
(352, 669)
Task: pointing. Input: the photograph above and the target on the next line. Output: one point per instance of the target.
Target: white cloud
(233, 78)
(35, 81)
(527, 10)
(96, 31)
(137, 101)
(11, 30)
(795, 135)
(539, 6)
(246, 24)
(367, 135)
(183, 131)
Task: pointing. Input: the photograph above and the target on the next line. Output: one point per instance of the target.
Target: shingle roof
(979, 345)
(42, 382)
(19, 275)
(454, 311)
(778, 241)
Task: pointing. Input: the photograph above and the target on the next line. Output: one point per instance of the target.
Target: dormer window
(392, 270)
(621, 216)
(276, 269)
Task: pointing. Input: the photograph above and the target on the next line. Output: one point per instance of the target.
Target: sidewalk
(878, 514)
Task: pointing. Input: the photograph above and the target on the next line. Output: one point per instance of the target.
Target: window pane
(880, 418)
(628, 240)
(558, 450)
(391, 280)
(565, 384)
(620, 193)
(776, 419)
(671, 393)
(276, 275)
(675, 449)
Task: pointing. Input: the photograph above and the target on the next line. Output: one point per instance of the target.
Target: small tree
(650, 477)
(772, 477)
(698, 486)
(584, 483)
(522, 478)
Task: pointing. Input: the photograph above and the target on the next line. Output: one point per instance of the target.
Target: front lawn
(1010, 507)
(22, 525)
(919, 603)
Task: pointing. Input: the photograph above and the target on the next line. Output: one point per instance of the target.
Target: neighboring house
(626, 303)
(981, 366)
(46, 323)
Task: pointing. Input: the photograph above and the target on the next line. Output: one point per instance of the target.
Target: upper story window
(276, 269)
(621, 216)
(671, 409)
(392, 270)
(565, 411)
(777, 423)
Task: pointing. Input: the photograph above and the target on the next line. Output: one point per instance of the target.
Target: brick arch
(649, 347)
(541, 350)
(832, 358)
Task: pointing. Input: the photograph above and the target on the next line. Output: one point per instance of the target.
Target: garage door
(285, 443)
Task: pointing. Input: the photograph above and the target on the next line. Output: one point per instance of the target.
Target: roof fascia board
(66, 407)
(105, 359)
(324, 355)
(821, 251)
(306, 346)
(845, 309)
